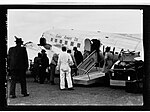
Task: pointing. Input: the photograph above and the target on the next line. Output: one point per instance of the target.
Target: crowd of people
(39, 68)
(43, 69)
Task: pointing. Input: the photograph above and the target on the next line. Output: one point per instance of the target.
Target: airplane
(52, 41)
(55, 38)
(82, 39)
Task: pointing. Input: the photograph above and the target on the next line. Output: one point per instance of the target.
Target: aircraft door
(87, 45)
(87, 48)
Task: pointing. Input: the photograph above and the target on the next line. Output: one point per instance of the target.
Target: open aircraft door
(87, 45)
(84, 76)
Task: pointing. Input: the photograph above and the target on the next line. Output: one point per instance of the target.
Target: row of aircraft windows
(66, 42)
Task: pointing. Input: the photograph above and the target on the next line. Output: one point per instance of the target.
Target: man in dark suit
(45, 65)
(78, 56)
(17, 65)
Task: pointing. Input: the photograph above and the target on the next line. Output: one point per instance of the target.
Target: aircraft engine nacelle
(42, 41)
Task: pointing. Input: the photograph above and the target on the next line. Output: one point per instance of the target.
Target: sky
(30, 24)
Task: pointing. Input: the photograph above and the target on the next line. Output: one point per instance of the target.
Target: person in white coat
(64, 63)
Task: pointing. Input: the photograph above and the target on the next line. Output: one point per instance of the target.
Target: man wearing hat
(17, 65)
(45, 65)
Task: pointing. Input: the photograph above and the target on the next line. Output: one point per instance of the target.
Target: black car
(128, 72)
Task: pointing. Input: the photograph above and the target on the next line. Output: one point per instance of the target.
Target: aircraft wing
(33, 50)
(123, 41)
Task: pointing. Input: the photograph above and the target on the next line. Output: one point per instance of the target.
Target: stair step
(84, 79)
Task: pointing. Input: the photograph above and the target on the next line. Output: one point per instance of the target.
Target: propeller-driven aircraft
(70, 38)
(52, 41)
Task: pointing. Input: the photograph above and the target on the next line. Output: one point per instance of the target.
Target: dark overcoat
(17, 58)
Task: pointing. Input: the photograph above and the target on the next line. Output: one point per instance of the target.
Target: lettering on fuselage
(67, 37)
(58, 36)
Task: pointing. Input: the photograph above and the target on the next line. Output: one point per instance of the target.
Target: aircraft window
(72, 44)
(55, 40)
(78, 45)
(51, 39)
(60, 41)
(66, 42)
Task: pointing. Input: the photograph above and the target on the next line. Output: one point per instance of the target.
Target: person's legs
(72, 73)
(12, 86)
(62, 80)
(37, 74)
(52, 73)
(42, 76)
(69, 80)
(23, 82)
(34, 73)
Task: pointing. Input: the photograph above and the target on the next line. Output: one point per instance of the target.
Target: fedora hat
(18, 40)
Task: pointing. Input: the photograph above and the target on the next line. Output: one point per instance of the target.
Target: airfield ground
(96, 94)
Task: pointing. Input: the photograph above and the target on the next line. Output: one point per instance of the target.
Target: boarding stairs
(85, 74)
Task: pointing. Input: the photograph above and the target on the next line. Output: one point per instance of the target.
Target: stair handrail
(86, 72)
(86, 58)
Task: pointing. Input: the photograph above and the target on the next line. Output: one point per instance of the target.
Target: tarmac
(90, 95)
